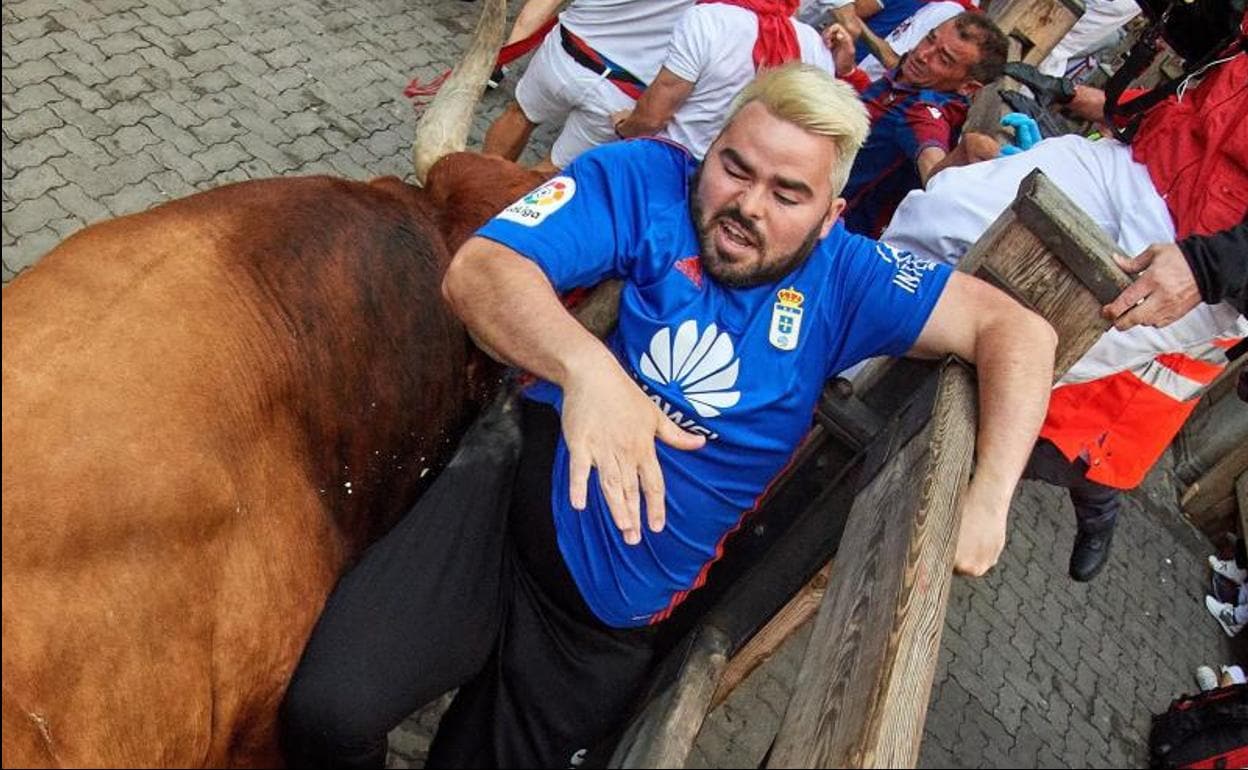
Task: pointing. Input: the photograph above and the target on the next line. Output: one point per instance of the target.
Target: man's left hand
(840, 42)
(1163, 293)
(981, 536)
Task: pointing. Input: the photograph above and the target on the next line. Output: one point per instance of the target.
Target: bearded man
(743, 293)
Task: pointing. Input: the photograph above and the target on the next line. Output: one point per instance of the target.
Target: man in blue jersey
(743, 293)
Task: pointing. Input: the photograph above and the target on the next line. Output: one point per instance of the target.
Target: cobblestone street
(114, 106)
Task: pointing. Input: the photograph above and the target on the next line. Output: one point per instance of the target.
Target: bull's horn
(443, 128)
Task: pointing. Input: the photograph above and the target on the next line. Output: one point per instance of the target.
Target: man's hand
(609, 424)
(981, 537)
(840, 42)
(1163, 293)
(971, 148)
(1088, 104)
(618, 117)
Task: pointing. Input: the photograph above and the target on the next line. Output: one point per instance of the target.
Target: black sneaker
(496, 78)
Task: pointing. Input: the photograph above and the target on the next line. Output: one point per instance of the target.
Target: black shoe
(1090, 553)
(496, 78)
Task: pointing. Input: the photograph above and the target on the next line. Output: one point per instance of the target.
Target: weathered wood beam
(1051, 257)
(1241, 498)
(1036, 26)
(1217, 486)
(861, 696)
(1219, 424)
(663, 734)
(864, 684)
(782, 626)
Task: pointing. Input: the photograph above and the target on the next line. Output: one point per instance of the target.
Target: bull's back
(207, 406)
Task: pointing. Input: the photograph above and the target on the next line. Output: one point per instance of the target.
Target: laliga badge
(532, 209)
(786, 319)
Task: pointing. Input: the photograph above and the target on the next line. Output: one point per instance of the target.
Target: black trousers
(1096, 505)
(469, 590)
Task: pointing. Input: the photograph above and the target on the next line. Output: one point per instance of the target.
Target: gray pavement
(113, 106)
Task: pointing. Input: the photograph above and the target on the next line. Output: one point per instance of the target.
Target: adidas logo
(702, 366)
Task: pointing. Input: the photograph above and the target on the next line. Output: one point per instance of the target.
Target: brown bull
(209, 408)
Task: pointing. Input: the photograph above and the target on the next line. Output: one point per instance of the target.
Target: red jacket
(1123, 403)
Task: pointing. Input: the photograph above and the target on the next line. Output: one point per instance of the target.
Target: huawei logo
(702, 366)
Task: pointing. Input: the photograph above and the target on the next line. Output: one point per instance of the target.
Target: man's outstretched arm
(1012, 349)
(509, 305)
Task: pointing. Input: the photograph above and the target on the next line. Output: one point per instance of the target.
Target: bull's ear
(443, 128)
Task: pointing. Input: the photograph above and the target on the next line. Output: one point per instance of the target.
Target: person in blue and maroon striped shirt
(917, 111)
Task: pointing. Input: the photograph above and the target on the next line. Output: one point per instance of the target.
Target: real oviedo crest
(786, 319)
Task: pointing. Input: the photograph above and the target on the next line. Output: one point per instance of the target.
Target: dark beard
(722, 272)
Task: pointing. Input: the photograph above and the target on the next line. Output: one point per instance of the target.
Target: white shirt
(631, 33)
(713, 48)
(908, 33)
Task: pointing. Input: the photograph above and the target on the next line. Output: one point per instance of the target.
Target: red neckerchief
(777, 38)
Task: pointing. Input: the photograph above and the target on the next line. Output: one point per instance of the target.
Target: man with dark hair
(917, 111)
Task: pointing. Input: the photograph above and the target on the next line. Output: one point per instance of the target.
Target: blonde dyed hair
(815, 101)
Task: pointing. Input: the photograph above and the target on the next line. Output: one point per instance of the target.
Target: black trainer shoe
(496, 78)
(1090, 553)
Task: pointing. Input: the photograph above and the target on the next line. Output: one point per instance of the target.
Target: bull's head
(444, 127)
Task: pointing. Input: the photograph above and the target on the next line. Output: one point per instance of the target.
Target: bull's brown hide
(207, 409)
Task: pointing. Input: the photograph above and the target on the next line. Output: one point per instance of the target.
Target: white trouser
(555, 87)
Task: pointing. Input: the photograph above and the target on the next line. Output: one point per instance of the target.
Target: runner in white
(596, 61)
(709, 60)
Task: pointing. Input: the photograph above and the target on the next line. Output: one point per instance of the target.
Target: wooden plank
(1241, 499)
(1051, 257)
(1217, 484)
(1216, 427)
(867, 674)
(1036, 25)
(791, 618)
(1216, 520)
(664, 734)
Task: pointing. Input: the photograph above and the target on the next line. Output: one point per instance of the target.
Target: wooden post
(1051, 257)
(1219, 424)
(783, 625)
(862, 692)
(861, 696)
(663, 735)
(1209, 502)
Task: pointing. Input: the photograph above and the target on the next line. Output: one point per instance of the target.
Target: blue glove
(1026, 133)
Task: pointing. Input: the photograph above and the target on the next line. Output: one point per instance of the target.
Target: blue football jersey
(743, 367)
